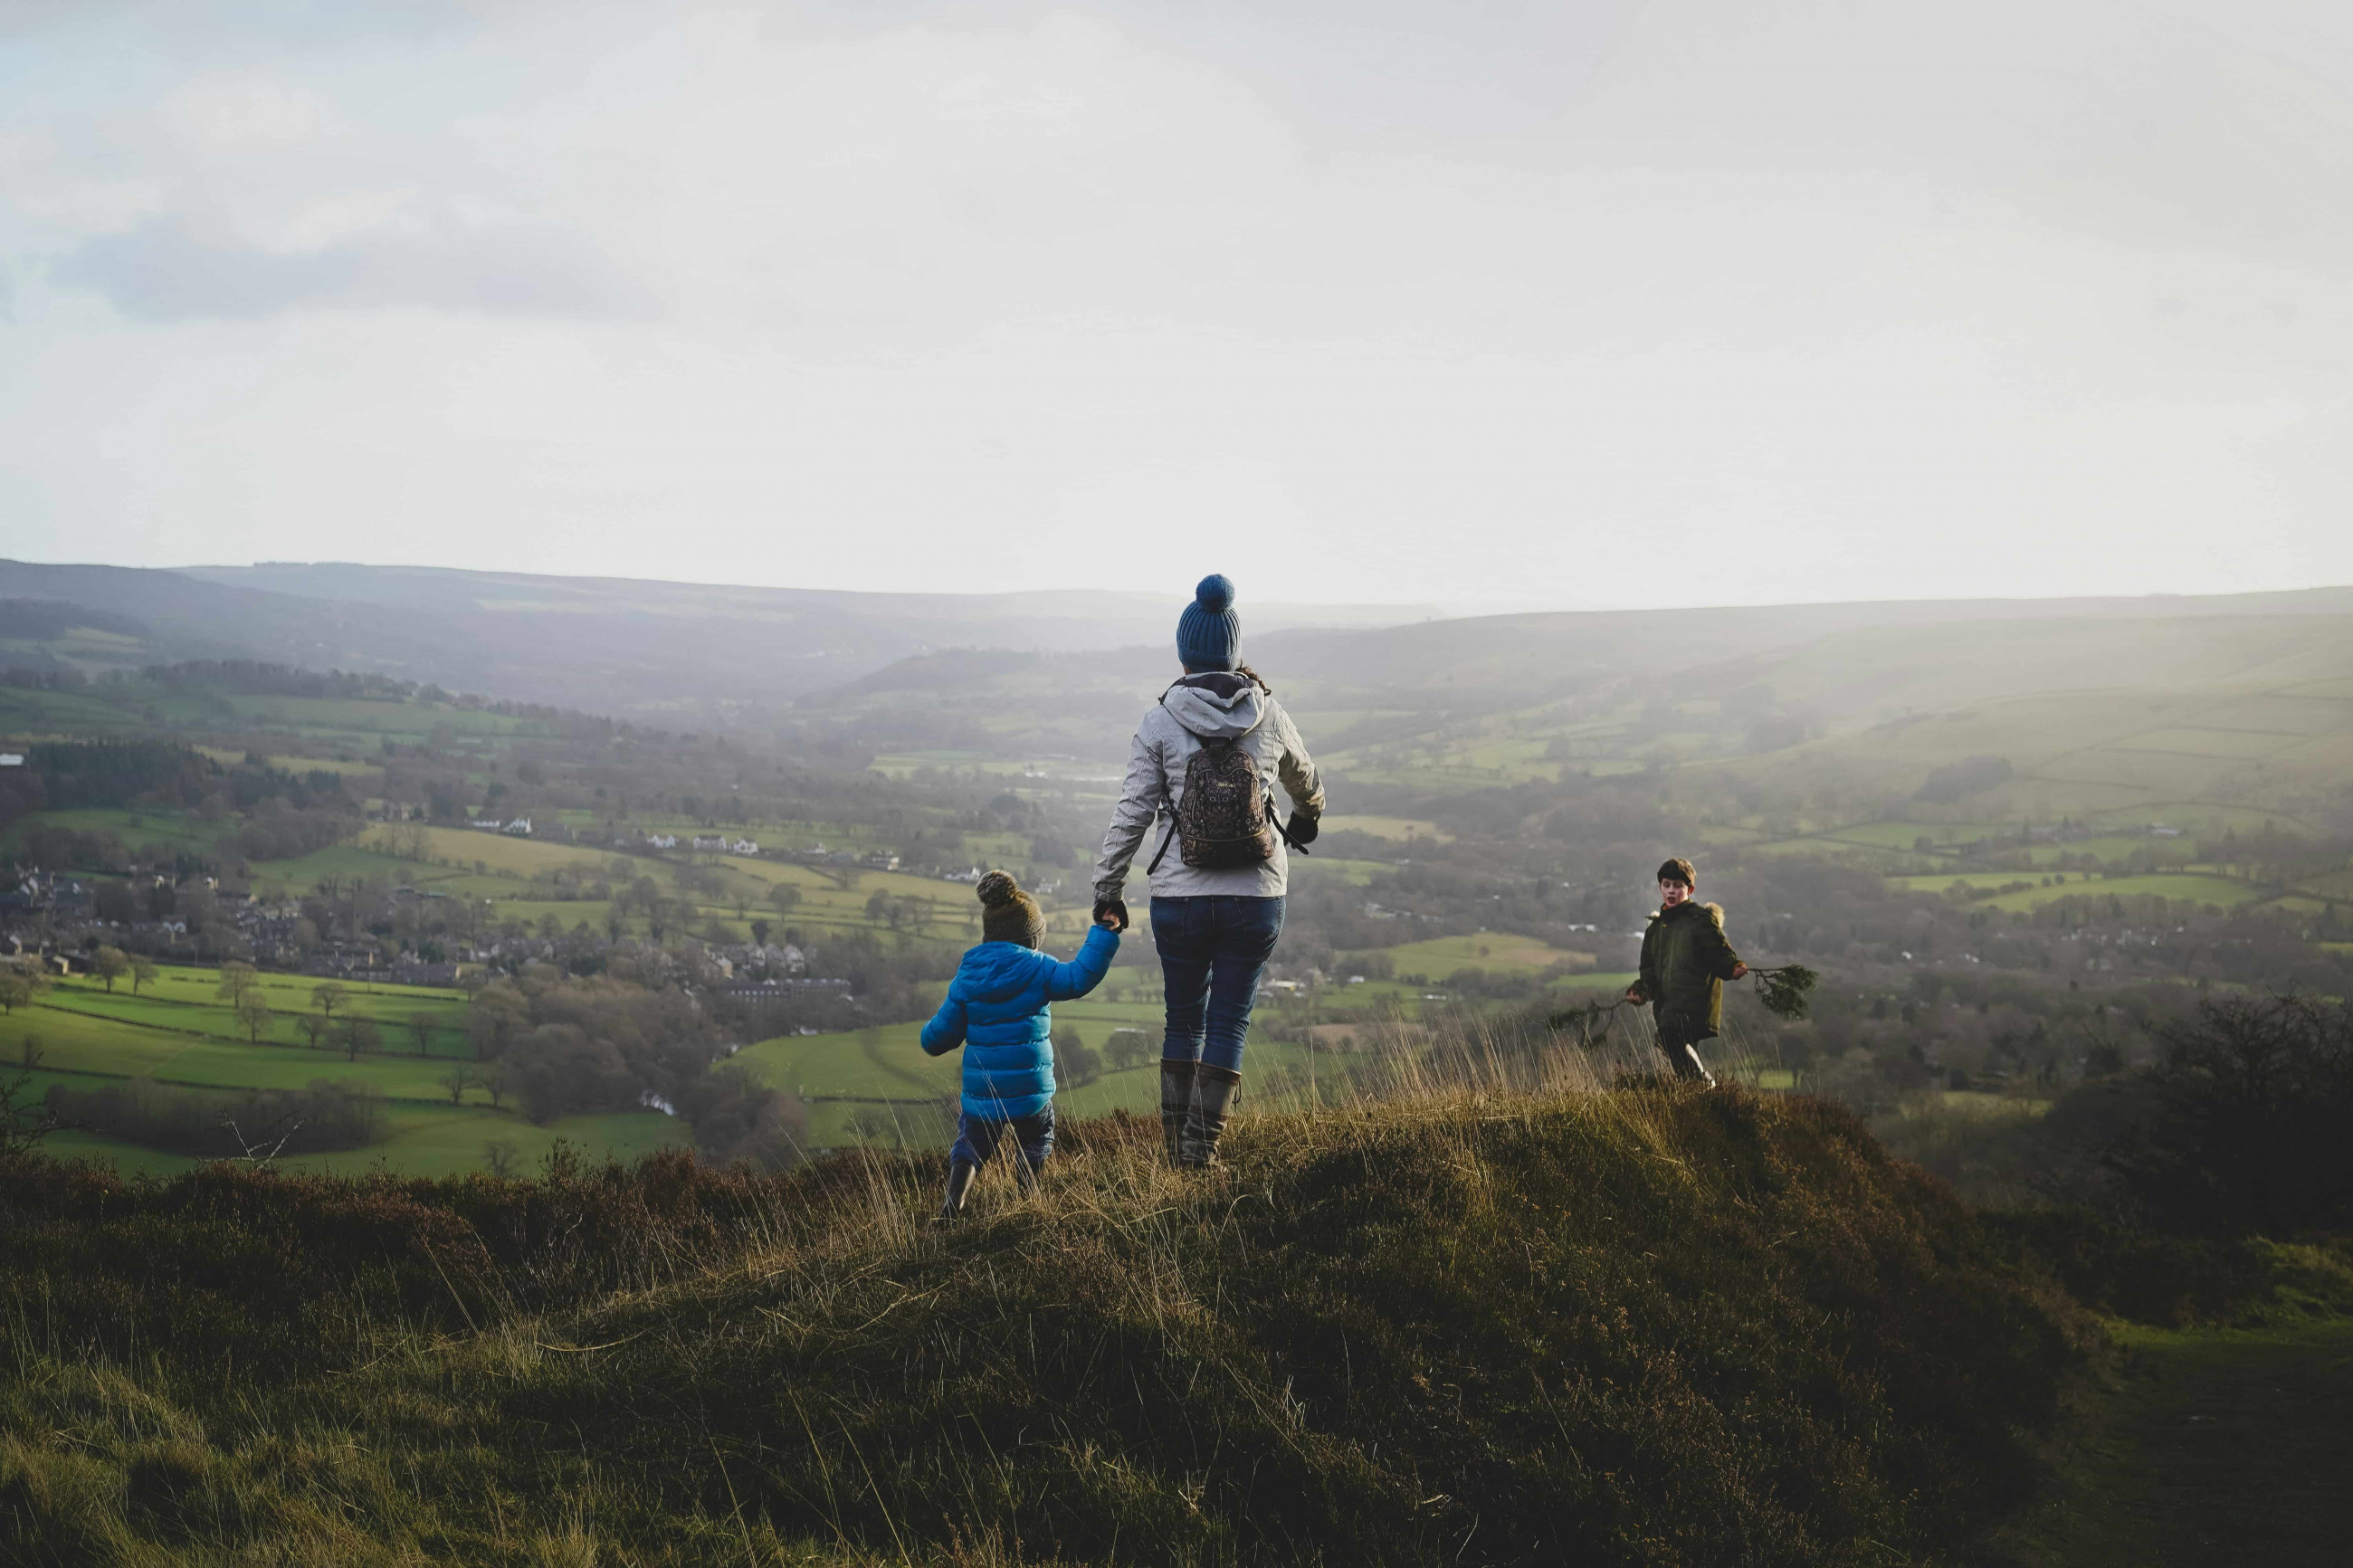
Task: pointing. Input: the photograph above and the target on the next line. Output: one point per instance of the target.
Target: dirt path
(2212, 1447)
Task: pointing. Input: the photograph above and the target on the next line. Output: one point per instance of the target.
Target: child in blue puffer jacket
(996, 1009)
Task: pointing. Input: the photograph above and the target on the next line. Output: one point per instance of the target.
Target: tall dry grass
(1484, 1300)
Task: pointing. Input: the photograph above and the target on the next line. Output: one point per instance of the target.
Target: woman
(1219, 740)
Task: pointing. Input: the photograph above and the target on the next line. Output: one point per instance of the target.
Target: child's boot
(1175, 1105)
(960, 1177)
(1213, 1090)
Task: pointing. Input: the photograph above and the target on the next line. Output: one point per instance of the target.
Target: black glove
(1304, 826)
(1115, 909)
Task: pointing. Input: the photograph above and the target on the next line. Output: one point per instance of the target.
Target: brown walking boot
(1175, 1104)
(1213, 1090)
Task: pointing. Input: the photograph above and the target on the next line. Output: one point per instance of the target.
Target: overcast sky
(1606, 303)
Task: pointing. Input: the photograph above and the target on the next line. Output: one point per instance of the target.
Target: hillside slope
(1640, 1327)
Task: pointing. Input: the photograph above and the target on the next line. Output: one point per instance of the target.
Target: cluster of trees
(253, 677)
(2245, 1127)
(559, 1044)
(288, 833)
(226, 1124)
(736, 1117)
(563, 1043)
(80, 773)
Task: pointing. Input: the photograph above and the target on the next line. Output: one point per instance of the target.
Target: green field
(1499, 951)
(2191, 886)
(183, 1002)
(425, 1142)
(2188, 885)
(2109, 849)
(177, 1030)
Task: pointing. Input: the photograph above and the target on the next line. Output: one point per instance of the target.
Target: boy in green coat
(1685, 962)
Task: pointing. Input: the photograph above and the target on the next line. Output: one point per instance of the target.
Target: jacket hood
(1714, 911)
(1219, 708)
(995, 971)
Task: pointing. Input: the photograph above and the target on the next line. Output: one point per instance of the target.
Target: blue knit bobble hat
(1208, 634)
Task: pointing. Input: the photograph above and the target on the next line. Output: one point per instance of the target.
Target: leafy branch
(1783, 989)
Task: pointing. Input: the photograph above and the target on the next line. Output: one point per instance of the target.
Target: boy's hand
(1739, 970)
(1634, 994)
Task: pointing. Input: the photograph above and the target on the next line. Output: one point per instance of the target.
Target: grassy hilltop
(1638, 1327)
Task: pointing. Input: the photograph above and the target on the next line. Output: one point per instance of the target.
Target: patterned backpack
(1226, 816)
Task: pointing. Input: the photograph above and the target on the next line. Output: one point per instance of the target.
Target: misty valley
(297, 950)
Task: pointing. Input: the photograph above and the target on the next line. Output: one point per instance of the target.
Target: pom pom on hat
(1008, 914)
(1208, 634)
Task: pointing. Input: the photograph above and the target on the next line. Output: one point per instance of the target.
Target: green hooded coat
(1685, 962)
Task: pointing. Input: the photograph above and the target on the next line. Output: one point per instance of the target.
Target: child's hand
(1739, 970)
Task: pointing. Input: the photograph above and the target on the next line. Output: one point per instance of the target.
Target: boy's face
(1673, 893)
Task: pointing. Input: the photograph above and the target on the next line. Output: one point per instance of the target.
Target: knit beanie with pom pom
(1008, 914)
(1208, 634)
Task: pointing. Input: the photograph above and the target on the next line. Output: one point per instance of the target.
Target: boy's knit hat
(1008, 914)
(1208, 634)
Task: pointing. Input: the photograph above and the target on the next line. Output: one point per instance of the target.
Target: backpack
(1226, 816)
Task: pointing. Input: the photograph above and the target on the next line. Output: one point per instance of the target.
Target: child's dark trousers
(1033, 1138)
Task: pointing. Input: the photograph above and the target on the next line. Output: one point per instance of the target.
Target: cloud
(163, 271)
(1500, 295)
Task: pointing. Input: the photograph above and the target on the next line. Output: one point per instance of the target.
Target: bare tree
(143, 971)
(109, 966)
(329, 997)
(361, 1035)
(22, 1126)
(254, 1014)
(421, 1025)
(499, 1155)
(458, 1080)
(32, 1051)
(314, 1029)
(237, 980)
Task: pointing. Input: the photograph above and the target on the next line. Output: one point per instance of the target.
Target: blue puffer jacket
(996, 1009)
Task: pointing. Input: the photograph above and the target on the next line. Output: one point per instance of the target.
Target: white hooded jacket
(1217, 705)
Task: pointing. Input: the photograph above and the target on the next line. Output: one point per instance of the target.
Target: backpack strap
(1163, 843)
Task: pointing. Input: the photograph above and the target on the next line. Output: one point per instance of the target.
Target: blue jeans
(976, 1140)
(1212, 951)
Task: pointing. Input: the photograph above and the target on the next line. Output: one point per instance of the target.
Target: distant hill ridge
(716, 654)
(612, 646)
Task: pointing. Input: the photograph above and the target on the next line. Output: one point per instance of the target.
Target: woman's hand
(1739, 970)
